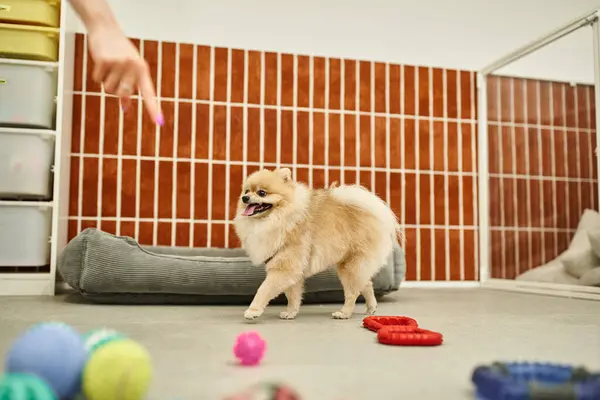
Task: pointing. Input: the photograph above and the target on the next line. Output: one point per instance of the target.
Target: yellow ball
(118, 370)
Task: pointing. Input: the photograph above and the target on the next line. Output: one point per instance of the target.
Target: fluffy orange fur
(300, 232)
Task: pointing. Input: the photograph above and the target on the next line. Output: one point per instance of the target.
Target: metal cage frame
(565, 290)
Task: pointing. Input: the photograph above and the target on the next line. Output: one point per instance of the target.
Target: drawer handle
(3, 81)
(4, 7)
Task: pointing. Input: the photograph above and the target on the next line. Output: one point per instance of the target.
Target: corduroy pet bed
(106, 268)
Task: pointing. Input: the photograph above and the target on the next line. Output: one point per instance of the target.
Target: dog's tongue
(250, 209)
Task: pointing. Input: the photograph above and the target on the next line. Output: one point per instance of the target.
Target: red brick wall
(406, 132)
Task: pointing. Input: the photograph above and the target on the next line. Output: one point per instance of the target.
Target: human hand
(120, 68)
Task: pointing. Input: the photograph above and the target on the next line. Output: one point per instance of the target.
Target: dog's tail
(400, 236)
(359, 196)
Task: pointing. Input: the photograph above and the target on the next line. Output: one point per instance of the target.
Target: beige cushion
(579, 257)
(591, 278)
(590, 221)
(594, 238)
(574, 262)
(553, 272)
(578, 262)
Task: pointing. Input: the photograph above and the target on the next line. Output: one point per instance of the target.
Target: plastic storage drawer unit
(30, 12)
(28, 42)
(27, 95)
(25, 235)
(26, 166)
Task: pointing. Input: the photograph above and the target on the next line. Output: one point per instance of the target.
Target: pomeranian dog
(298, 232)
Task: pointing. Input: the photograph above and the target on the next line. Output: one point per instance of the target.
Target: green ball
(97, 338)
(120, 369)
(24, 387)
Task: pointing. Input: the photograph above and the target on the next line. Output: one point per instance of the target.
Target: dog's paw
(288, 314)
(340, 315)
(251, 314)
(371, 310)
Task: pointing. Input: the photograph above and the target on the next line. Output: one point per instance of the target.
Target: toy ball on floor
(249, 348)
(120, 369)
(54, 352)
(97, 338)
(24, 387)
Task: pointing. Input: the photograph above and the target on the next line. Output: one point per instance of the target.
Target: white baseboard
(26, 284)
(542, 288)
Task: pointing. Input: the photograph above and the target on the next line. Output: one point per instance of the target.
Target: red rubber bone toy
(401, 331)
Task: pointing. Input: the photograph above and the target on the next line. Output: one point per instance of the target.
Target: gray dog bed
(106, 268)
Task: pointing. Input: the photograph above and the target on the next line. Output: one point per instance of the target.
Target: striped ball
(24, 387)
(97, 338)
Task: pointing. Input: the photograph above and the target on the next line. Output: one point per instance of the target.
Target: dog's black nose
(245, 199)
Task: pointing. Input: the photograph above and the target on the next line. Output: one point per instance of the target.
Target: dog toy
(375, 323)
(518, 381)
(408, 336)
(266, 391)
(54, 352)
(249, 348)
(97, 338)
(120, 369)
(401, 331)
(24, 387)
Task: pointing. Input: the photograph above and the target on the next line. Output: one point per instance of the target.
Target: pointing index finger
(149, 96)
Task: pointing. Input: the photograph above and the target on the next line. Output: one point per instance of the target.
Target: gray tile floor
(331, 360)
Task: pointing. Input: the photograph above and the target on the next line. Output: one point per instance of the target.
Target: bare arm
(117, 63)
(95, 13)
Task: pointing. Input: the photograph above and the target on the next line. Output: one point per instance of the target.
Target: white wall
(464, 34)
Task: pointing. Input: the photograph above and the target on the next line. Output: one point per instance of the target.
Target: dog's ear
(285, 174)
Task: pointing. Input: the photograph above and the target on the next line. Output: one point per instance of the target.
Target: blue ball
(54, 352)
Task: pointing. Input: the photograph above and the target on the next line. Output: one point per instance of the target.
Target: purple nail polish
(160, 120)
